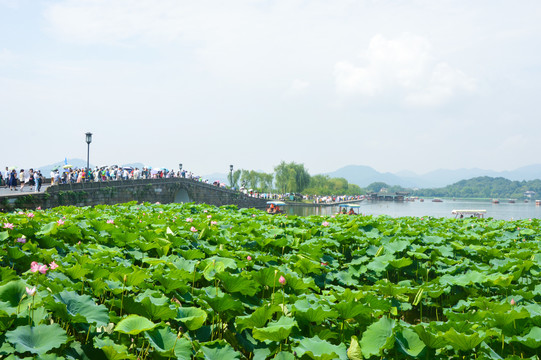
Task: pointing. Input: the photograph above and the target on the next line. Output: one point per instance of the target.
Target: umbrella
(67, 166)
(11, 168)
(56, 167)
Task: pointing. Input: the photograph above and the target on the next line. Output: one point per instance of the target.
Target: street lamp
(231, 175)
(180, 167)
(88, 141)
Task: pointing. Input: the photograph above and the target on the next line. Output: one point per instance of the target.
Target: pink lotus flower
(205, 211)
(20, 213)
(333, 216)
(8, 226)
(513, 302)
(21, 240)
(324, 263)
(53, 265)
(110, 221)
(253, 215)
(161, 212)
(249, 258)
(189, 220)
(325, 223)
(35, 267)
(30, 215)
(38, 208)
(157, 203)
(209, 216)
(60, 222)
(213, 222)
(192, 229)
(282, 280)
(31, 292)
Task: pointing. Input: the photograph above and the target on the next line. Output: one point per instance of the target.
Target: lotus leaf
(377, 337)
(276, 330)
(316, 348)
(192, 317)
(37, 339)
(134, 324)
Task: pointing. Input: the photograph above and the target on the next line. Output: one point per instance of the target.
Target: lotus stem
(122, 296)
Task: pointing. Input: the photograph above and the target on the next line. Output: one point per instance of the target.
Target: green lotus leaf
(283, 355)
(233, 284)
(224, 303)
(219, 350)
(354, 350)
(266, 277)
(112, 350)
(37, 339)
(316, 348)
(463, 342)
(258, 318)
(532, 339)
(4, 235)
(309, 313)
(212, 269)
(81, 308)
(350, 309)
(276, 330)
(409, 342)
(134, 324)
(47, 229)
(164, 341)
(192, 317)
(400, 263)
(377, 337)
(11, 295)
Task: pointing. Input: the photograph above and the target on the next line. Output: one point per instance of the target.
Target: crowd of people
(18, 181)
(118, 173)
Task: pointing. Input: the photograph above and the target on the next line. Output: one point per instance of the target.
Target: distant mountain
(365, 175)
(76, 163)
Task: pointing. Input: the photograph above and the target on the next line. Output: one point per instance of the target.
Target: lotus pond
(184, 281)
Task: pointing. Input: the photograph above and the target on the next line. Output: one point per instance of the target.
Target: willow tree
(291, 177)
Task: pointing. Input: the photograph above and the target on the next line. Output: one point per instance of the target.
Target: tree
(292, 177)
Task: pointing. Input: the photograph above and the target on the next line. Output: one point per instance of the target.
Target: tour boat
(537, 202)
(495, 201)
(437, 200)
(511, 201)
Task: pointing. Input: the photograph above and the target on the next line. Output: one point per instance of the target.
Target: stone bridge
(173, 190)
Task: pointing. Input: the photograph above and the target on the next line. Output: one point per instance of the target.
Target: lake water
(501, 211)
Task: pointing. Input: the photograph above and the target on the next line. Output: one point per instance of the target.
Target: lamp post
(88, 141)
(179, 170)
(231, 175)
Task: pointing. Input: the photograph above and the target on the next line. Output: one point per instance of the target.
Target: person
(13, 180)
(22, 179)
(344, 210)
(351, 212)
(31, 179)
(39, 181)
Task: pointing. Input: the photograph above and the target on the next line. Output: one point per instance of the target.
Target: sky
(397, 85)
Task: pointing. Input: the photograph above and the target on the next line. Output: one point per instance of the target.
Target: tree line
(292, 178)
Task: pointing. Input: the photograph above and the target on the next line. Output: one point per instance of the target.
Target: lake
(501, 211)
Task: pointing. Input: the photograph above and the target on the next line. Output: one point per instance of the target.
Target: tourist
(22, 179)
(12, 183)
(31, 181)
(39, 181)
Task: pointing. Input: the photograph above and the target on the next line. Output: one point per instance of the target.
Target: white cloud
(403, 67)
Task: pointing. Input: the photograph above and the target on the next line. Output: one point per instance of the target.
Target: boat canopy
(475, 213)
(350, 205)
(276, 203)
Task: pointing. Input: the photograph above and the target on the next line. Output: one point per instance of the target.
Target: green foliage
(291, 177)
(265, 287)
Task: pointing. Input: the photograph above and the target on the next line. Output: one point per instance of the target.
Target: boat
(354, 209)
(273, 207)
(511, 201)
(459, 214)
(537, 202)
(437, 200)
(421, 200)
(495, 201)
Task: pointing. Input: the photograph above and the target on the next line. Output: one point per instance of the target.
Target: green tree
(291, 177)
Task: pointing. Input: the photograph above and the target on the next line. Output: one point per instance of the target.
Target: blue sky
(396, 85)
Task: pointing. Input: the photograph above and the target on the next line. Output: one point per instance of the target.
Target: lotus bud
(282, 280)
